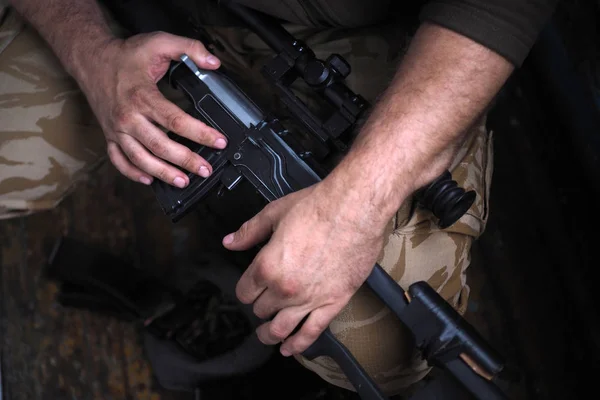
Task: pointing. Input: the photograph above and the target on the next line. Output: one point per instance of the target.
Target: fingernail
(179, 182)
(220, 143)
(145, 180)
(204, 172)
(212, 60)
(285, 353)
(228, 239)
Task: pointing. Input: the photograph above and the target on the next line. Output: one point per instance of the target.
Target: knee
(383, 347)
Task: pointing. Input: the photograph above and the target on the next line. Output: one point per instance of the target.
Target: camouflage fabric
(416, 249)
(49, 140)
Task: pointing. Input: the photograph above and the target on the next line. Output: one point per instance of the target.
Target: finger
(281, 326)
(174, 119)
(147, 162)
(250, 287)
(317, 322)
(164, 148)
(174, 46)
(268, 303)
(124, 166)
(255, 230)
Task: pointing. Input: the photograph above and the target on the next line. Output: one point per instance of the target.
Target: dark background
(534, 272)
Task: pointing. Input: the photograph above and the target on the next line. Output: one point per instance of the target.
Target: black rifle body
(256, 148)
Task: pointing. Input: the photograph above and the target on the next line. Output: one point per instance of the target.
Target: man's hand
(317, 258)
(120, 85)
(119, 79)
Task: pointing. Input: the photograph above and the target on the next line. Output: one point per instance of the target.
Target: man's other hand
(318, 255)
(120, 83)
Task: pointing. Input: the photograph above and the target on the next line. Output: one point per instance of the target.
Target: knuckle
(203, 135)
(176, 122)
(123, 116)
(196, 45)
(189, 160)
(292, 347)
(152, 38)
(259, 312)
(159, 34)
(270, 210)
(137, 95)
(157, 147)
(243, 231)
(163, 174)
(153, 99)
(262, 337)
(241, 295)
(288, 288)
(135, 156)
(314, 329)
(111, 151)
(277, 331)
(256, 310)
(264, 272)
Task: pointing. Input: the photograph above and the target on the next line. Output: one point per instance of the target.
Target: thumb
(174, 46)
(252, 232)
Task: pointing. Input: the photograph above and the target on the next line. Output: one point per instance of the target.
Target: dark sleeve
(508, 27)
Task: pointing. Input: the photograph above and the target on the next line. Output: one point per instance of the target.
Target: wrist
(87, 56)
(73, 29)
(381, 172)
(367, 199)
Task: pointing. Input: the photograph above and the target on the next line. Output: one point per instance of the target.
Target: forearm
(442, 86)
(74, 29)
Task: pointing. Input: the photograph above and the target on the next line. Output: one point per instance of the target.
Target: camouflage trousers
(49, 141)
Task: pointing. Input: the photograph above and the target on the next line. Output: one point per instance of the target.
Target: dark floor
(533, 276)
(53, 352)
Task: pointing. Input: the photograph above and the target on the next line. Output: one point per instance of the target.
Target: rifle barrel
(272, 34)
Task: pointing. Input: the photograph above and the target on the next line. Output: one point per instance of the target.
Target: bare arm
(442, 86)
(118, 78)
(72, 28)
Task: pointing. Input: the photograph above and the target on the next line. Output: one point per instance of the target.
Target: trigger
(231, 177)
(221, 190)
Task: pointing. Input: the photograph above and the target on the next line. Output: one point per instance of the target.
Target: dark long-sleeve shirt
(509, 27)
